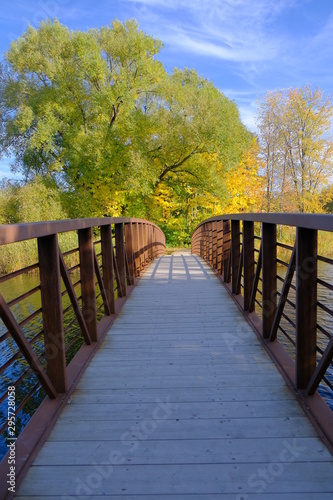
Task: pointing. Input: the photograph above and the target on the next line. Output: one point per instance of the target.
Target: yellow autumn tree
(295, 135)
(245, 184)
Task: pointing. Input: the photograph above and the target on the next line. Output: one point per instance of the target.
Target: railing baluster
(239, 273)
(283, 297)
(320, 371)
(26, 349)
(107, 310)
(256, 281)
(306, 305)
(71, 293)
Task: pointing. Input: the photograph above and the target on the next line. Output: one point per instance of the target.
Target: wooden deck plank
(235, 428)
(181, 402)
(120, 396)
(211, 409)
(215, 496)
(179, 479)
(178, 451)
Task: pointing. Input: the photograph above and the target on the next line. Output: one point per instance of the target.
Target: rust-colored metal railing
(285, 290)
(71, 304)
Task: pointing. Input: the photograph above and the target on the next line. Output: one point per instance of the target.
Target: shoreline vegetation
(97, 126)
(17, 256)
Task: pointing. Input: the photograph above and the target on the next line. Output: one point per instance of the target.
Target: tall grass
(19, 255)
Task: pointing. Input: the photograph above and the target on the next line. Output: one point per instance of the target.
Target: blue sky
(245, 47)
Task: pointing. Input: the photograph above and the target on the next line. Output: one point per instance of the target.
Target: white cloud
(245, 39)
(230, 30)
(228, 51)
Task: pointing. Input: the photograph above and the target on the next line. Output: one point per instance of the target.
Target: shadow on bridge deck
(181, 400)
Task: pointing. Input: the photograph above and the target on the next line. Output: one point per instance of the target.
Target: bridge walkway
(181, 402)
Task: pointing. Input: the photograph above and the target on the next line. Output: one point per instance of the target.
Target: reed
(19, 255)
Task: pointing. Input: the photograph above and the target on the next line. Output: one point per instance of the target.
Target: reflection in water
(18, 368)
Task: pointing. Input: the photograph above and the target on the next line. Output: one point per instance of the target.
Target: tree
(34, 201)
(191, 119)
(245, 185)
(295, 138)
(68, 100)
(96, 112)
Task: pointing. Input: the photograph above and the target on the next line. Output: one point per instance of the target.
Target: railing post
(141, 246)
(136, 246)
(87, 273)
(219, 246)
(211, 242)
(150, 256)
(52, 313)
(107, 262)
(120, 258)
(235, 255)
(248, 257)
(161, 240)
(306, 305)
(145, 232)
(129, 252)
(214, 229)
(154, 241)
(269, 277)
(226, 251)
(204, 238)
(200, 241)
(207, 241)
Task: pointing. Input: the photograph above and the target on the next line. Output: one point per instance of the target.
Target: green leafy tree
(37, 200)
(96, 112)
(68, 101)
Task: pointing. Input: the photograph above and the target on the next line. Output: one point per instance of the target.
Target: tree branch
(177, 164)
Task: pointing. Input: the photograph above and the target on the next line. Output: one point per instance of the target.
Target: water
(11, 289)
(325, 320)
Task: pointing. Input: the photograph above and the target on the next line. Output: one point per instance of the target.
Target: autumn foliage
(94, 121)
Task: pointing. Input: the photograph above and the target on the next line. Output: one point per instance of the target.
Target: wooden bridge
(178, 390)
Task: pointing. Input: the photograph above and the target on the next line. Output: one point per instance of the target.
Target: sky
(245, 47)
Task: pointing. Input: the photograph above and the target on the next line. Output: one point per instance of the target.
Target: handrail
(106, 276)
(319, 222)
(11, 233)
(231, 245)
